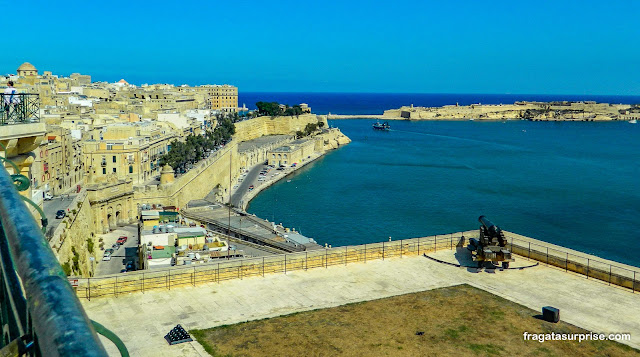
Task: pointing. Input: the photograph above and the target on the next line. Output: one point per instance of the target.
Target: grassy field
(456, 321)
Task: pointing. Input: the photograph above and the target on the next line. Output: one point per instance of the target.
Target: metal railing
(221, 270)
(40, 314)
(589, 266)
(20, 108)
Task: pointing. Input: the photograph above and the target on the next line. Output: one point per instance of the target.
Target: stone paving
(142, 320)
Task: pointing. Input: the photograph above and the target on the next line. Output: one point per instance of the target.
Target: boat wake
(459, 138)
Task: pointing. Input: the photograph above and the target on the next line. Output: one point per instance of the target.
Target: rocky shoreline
(534, 111)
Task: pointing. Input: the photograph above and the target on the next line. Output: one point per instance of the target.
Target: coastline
(326, 140)
(521, 110)
(260, 186)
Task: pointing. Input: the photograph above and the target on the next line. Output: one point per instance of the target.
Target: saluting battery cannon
(491, 246)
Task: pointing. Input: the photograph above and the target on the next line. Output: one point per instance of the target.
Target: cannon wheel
(505, 265)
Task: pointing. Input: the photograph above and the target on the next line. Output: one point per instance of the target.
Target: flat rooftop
(586, 303)
(261, 142)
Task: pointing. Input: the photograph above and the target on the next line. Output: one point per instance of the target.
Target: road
(120, 257)
(251, 179)
(51, 207)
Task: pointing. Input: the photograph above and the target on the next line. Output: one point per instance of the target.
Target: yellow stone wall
(255, 128)
(76, 233)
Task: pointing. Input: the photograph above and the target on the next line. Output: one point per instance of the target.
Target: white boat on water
(633, 121)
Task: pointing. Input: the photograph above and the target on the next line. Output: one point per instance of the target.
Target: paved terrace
(142, 319)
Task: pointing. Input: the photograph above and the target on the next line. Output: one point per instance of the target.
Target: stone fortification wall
(523, 110)
(330, 139)
(285, 125)
(197, 182)
(72, 239)
(214, 171)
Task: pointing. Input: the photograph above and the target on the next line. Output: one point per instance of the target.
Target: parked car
(107, 255)
(121, 240)
(115, 246)
(251, 187)
(61, 214)
(48, 196)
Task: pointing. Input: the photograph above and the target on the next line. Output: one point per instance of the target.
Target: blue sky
(538, 47)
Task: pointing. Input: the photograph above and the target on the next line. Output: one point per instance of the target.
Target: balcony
(41, 313)
(21, 108)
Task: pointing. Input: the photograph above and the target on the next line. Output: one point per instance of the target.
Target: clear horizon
(502, 47)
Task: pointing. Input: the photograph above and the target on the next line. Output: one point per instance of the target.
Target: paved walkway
(141, 320)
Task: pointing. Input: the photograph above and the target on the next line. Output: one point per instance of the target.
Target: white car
(106, 257)
(48, 196)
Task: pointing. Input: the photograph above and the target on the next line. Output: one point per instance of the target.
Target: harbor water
(571, 184)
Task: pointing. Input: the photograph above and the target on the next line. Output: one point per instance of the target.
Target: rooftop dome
(27, 67)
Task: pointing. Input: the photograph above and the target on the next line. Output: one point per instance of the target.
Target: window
(114, 158)
(114, 170)
(104, 170)
(130, 169)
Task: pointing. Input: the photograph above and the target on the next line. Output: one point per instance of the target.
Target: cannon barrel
(489, 226)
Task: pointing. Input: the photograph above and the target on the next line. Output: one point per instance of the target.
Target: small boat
(384, 126)
(633, 121)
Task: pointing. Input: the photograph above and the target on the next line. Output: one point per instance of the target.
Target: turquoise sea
(572, 184)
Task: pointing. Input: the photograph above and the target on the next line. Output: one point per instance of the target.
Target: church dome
(27, 67)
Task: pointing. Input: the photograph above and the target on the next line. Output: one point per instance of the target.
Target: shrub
(90, 245)
(66, 268)
(75, 259)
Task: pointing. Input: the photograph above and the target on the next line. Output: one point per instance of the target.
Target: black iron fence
(19, 108)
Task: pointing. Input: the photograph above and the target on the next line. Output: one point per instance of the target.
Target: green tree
(310, 128)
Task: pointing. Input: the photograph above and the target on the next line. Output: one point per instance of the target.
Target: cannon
(490, 246)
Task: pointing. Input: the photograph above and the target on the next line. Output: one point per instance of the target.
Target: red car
(121, 240)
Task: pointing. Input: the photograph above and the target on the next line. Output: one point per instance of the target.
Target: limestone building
(223, 98)
(111, 203)
(58, 166)
(292, 153)
(129, 151)
(26, 70)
